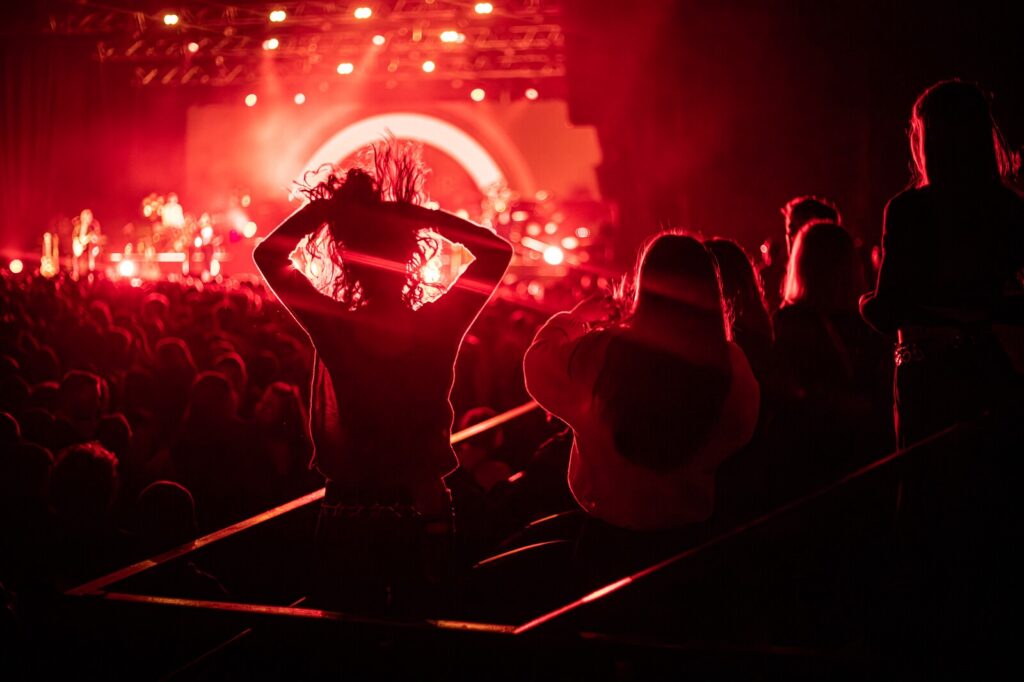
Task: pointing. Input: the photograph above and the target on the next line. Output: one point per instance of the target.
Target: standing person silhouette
(951, 247)
(386, 332)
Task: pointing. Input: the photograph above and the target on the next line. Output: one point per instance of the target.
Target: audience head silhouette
(824, 272)
(953, 138)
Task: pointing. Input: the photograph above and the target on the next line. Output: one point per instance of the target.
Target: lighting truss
(522, 40)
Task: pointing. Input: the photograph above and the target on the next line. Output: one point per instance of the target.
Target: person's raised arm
(547, 364)
(271, 255)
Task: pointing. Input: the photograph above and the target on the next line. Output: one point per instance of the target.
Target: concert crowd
(136, 418)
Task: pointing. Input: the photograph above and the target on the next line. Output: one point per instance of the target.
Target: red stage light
(379, 40)
(278, 15)
(477, 95)
(483, 8)
(193, 47)
(362, 13)
(299, 98)
(271, 44)
(250, 100)
(16, 266)
(531, 93)
(170, 20)
(345, 68)
(452, 37)
(249, 231)
(553, 255)
(429, 66)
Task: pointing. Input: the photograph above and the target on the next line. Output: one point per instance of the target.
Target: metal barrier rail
(97, 586)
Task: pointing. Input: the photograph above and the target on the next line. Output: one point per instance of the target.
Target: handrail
(96, 586)
(740, 529)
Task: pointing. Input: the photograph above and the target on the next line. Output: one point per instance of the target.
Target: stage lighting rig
(503, 46)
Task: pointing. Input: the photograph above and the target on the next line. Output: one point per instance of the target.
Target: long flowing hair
(824, 272)
(391, 171)
(666, 372)
(954, 138)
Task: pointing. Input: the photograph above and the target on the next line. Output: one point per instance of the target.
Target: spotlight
(582, 232)
(531, 93)
(429, 66)
(250, 100)
(246, 200)
(299, 98)
(271, 44)
(483, 8)
(214, 267)
(127, 268)
(363, 13)
(379, 40)
(452, 37)
(193, 47)
(249, 231)
(16, 266)
(170, 20)
(278, 15)
(570, 242)
(477, 94)
(345, 68)
(553, 255)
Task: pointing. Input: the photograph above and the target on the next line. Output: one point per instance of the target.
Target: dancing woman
(386, 335)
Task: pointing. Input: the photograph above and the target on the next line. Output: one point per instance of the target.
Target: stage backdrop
(529, 146)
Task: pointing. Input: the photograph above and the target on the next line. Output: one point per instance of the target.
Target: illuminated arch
(469, 153)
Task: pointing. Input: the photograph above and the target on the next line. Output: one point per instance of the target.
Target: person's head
(83, 482)
(741, 288)
(377, 261)
(10, 431)
(232, 366)
(676, 287)
(211, 400)
(824, 271)
(166, 515)
(81, 396)
(115, 434)
(800, 211)
(954, 139)
(477, 448)
(173, 356)
(280, 409)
